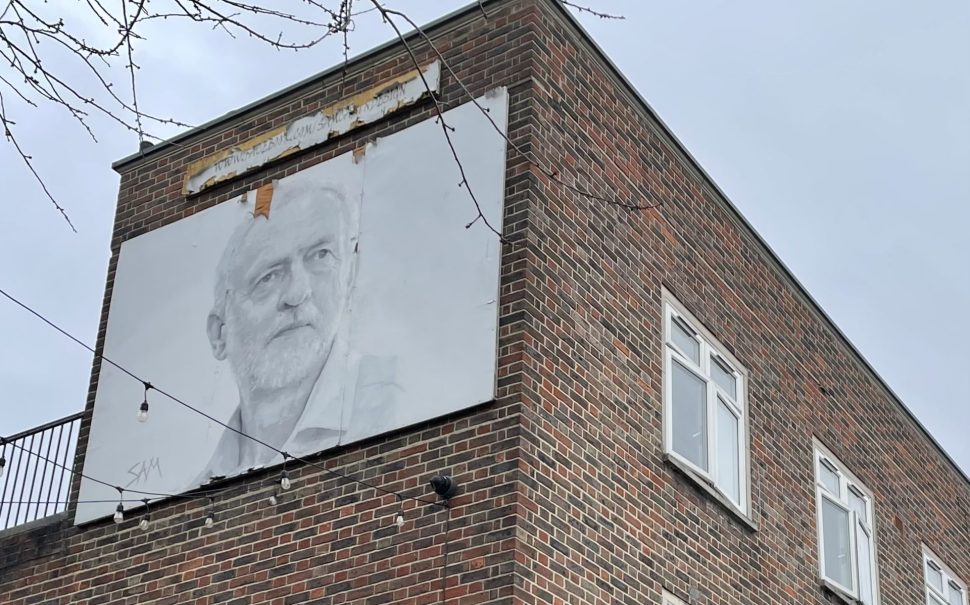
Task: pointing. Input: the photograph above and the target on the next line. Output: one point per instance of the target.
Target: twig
(445, 128)
(550, 173)
(27, 160)
(131, 64)
(589, 11)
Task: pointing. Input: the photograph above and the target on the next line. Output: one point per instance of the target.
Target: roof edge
(801, 289)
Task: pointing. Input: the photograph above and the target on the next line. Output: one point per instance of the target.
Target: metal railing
(38, 463)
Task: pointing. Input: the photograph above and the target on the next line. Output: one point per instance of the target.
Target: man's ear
(215, 328)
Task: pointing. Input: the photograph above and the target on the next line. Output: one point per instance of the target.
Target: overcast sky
(841, 130)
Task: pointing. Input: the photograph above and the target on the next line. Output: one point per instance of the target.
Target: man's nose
(297, 288)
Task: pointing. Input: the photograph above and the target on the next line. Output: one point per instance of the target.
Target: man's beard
(284, 361)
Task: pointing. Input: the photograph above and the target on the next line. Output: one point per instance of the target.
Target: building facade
(674, 419)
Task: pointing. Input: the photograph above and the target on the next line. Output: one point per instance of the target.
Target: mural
(335, 304)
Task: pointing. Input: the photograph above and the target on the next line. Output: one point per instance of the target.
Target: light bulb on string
(285, 482)
(273, 500)
(143, 408)
(210, 517)
(145, 521)
(399, 517)
(119, 515)
(3, 465)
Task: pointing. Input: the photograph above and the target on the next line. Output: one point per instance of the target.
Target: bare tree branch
(8, 133)
(585, 9)
(445, 128)
(131, 63)
(32, 42)
(551, 173)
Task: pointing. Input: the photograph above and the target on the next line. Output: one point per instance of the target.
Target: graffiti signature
(141, 471)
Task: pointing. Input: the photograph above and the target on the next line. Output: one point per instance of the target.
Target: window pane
(728, 462)
(685, 342)
(858, 504)
(835, 543)
(829, 478)
(689, 415)
(724, 378)
(956, 595)
(934, 578)
(932, 599)
(864, 545)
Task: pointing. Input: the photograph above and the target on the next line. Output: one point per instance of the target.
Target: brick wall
(566, 496)
(607, 519)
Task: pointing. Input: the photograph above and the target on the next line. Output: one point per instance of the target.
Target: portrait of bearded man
(281, 304)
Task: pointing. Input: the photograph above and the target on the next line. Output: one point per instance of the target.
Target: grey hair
(284, 191)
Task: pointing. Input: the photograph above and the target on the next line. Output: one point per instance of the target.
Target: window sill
(711, 491)
(841, 595)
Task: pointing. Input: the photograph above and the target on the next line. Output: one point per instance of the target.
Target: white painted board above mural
(338, 303)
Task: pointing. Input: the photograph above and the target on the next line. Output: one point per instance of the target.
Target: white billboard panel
(343, 301)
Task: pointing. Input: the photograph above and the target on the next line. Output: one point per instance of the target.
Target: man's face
(287, 290)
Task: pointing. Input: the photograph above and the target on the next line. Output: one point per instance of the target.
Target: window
(846, 536)
(704, 411)
(942, 586)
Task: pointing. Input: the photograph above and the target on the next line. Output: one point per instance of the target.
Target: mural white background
(419, 338)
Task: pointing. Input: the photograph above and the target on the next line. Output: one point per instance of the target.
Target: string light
(188, 406)
(3, 465)
(399, 517)
(210, 517)
(119, 515)
(145, 521)
(143, 408)
(284, 483)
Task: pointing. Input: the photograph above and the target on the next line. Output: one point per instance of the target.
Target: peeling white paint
(312, 130)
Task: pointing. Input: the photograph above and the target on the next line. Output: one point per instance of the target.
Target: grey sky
(840, 130)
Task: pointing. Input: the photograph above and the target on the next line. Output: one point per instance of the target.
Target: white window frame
(847, 481)
(710, 351)
(950, 580)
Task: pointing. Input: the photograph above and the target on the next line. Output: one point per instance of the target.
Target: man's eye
(320, 254)
(268, 278)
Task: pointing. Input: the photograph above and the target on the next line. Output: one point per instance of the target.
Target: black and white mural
(338, 303)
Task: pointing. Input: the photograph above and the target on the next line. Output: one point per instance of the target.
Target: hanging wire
(195, 493)
(444, 554)
(161, 495)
